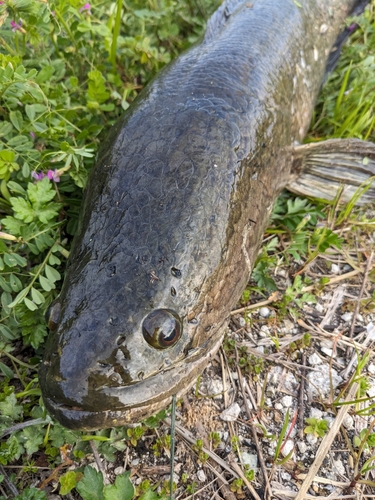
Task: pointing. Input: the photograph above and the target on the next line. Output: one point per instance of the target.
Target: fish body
(175, 210)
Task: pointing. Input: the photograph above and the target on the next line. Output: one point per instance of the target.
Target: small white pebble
(323, 28)
(348, 422)
(371, 368)
(347, 316)
(118, 470)
(314, 359)
(347, 268)
(264, 331)
(264, 312)
(311, 439)
(286, 476)
(231, 413)
(316, 413)
(242, 321)
(250, 459)
(249, 404)
(302, 446)
(201, 476)
(335, 269)
(339, 466)
(287, 448)
(135, 462)
(327, 351)
(371, 392)
(278, 406)
(319, 307)
(287, 401)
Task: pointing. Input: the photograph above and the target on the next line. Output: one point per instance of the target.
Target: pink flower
(37, 176)
(86, 7)
(53, 175)
(16, 26)
(33, 136)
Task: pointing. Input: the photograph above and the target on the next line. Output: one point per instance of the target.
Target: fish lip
(84, 420)
(75, 418)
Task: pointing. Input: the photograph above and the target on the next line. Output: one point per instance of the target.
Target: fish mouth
(131, 404)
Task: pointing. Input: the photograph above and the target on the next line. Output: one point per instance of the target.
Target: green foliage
(162, 443)
(236, 486)
(346, 104)
(365, 439)
(316, 427)
(198, 448)
(31, 494)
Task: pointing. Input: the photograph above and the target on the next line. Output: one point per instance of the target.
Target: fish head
(103, 373)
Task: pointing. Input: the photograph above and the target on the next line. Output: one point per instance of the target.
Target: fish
(176, 207)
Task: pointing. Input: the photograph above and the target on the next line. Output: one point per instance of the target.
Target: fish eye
(162, 328)
(53, 315)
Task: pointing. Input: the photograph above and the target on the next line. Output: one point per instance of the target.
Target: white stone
(316, 413)
(201, 476)
(371, 368)
(371, 392)
(347, 268)
(250, 459)
(214, 388)
(260, 348)
(274, 376)
(242, 321)
(286, 476)
(347, 316)
(264, 312)
(348, 422)
(287, 401)
(135, 462)
(118, 470)
(287, 448)
(320, 380)
(327, 351)
(315, 359)
(311, 439)
(278, 406)
(319, 307)
(339, 466)
(290, 382)
(264, 331)
(231, 413)
(335, 269)
(249, 404)
(302, 446)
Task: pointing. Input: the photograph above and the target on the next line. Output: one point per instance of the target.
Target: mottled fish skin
(176, 206)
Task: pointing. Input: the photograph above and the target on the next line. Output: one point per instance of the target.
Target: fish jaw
(135, 402)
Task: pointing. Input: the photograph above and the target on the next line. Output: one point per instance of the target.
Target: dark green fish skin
(176, 206)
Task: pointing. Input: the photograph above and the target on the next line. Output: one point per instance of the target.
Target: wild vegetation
(68, 69)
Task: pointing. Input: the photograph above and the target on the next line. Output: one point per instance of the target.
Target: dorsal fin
(221, 16)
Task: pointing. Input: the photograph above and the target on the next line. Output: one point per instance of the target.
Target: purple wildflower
(86, 7)
(33, 136)
(53, 175)
(37, 176)
(16, 26)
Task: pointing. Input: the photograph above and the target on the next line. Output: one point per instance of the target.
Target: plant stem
(116, 31)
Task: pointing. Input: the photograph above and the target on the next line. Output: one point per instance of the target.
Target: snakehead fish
(176, 206)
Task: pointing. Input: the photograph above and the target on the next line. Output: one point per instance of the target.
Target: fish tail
(320, 169)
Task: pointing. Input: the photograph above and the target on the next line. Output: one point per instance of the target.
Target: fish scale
(176, 206)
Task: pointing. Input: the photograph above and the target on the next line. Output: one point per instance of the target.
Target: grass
(67, 71)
